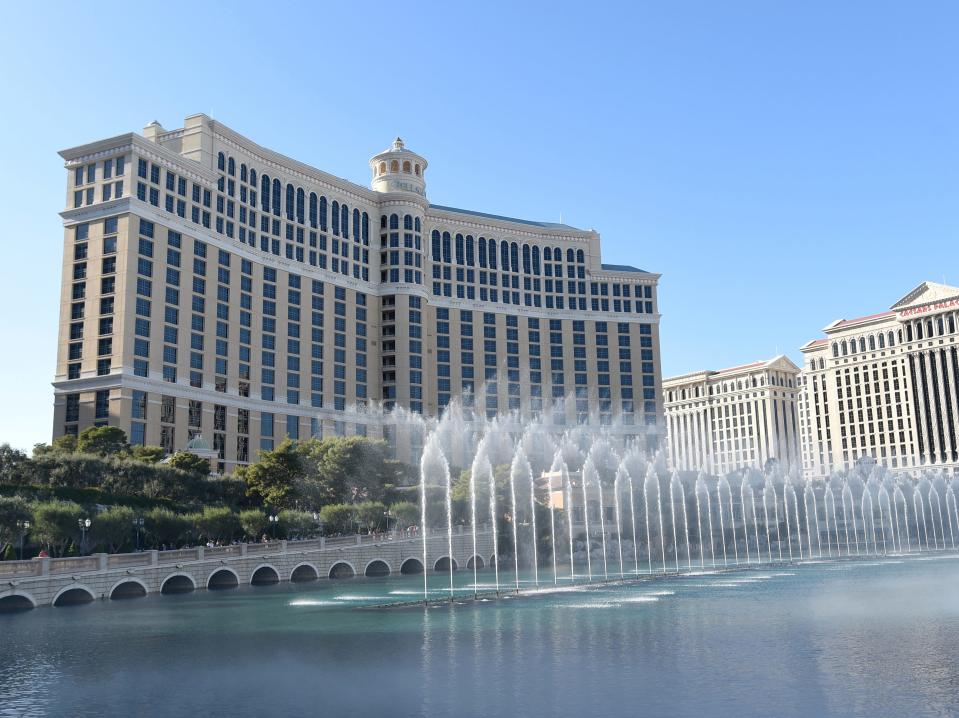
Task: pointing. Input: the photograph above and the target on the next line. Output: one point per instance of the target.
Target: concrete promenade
(62, 581)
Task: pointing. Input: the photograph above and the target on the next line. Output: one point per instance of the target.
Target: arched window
(504, 255)
(527, 259)
(277, 196)
(570, 256)
(492, 254)
(835, 350)
(547, 254)
(435, 240)
(470, 252)
(482, 252)
(416, 169)
(323, 212)
(408, 222)
(460, 258)
(872, 343)
(253, 177)
(394, 166)
(382, 168)
(882, 340)
(406, 166)
(416, 224)
(535, 259)
(300, 202)
(313, 209)
(336, 217)
(394, 221)
(231, 167)
(220, 161)
(345, 221)
(290, 202)
(580, 256)
(908, 333)
(356, 225)
(845, 348)
(366, 228)
(918, 330)
(940, 327)
(265, 193)
(514, 257)
(243, 173)
(447, 248)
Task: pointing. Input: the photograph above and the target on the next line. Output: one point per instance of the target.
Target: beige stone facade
(214, 287)
(883, 387)
(745, 416)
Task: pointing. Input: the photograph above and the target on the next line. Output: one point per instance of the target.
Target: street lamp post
(274, 520)
(137, 525)
(316, 520)
(24, 527)
(84, 527)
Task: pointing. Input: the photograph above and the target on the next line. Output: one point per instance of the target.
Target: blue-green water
(873, 638)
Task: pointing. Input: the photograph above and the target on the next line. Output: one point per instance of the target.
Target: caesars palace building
(213, 288)
(883, 388)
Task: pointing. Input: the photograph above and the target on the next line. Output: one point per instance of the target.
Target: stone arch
(342, 569)
(476, 561)
(264, 575)
(377, 568)
(222, 578)
(492, 561)
(178, 583)
(128, 588)
(304, 572)
(411, 566)
(443, 564)
(73, 595)
(17, 601)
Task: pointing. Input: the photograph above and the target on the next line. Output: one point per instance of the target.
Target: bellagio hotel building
(212, 287)
(884, 388)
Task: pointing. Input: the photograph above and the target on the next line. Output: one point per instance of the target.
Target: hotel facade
(214, 288)
(883, 387)
(742, 417)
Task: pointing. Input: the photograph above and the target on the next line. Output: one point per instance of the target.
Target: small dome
(198, 443)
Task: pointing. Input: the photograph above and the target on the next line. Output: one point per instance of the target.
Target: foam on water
(310, 602)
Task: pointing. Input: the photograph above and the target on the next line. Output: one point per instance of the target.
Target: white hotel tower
(885, 387)
(215, 288)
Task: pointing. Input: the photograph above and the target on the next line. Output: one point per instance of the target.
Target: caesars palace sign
(926, 308)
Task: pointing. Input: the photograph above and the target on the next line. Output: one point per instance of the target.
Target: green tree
(13, 510)
(254, 523)
(164, 526)
(273, 479)
(75, 471)
(66, 444)
(103, 440)
(112, 529)
(190, 463)
(148, 454)
(371, 515)
(218, 524)
(55, 524)
(338, 518)
(347, 469)
(15, 466)
(296, 524)
(405, 514)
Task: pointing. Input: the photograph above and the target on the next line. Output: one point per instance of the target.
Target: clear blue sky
(781, 164)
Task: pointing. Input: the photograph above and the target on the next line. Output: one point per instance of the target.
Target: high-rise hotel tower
(214, 288)
(885, 388)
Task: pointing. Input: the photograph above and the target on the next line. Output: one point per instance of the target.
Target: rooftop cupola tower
(398, 170)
